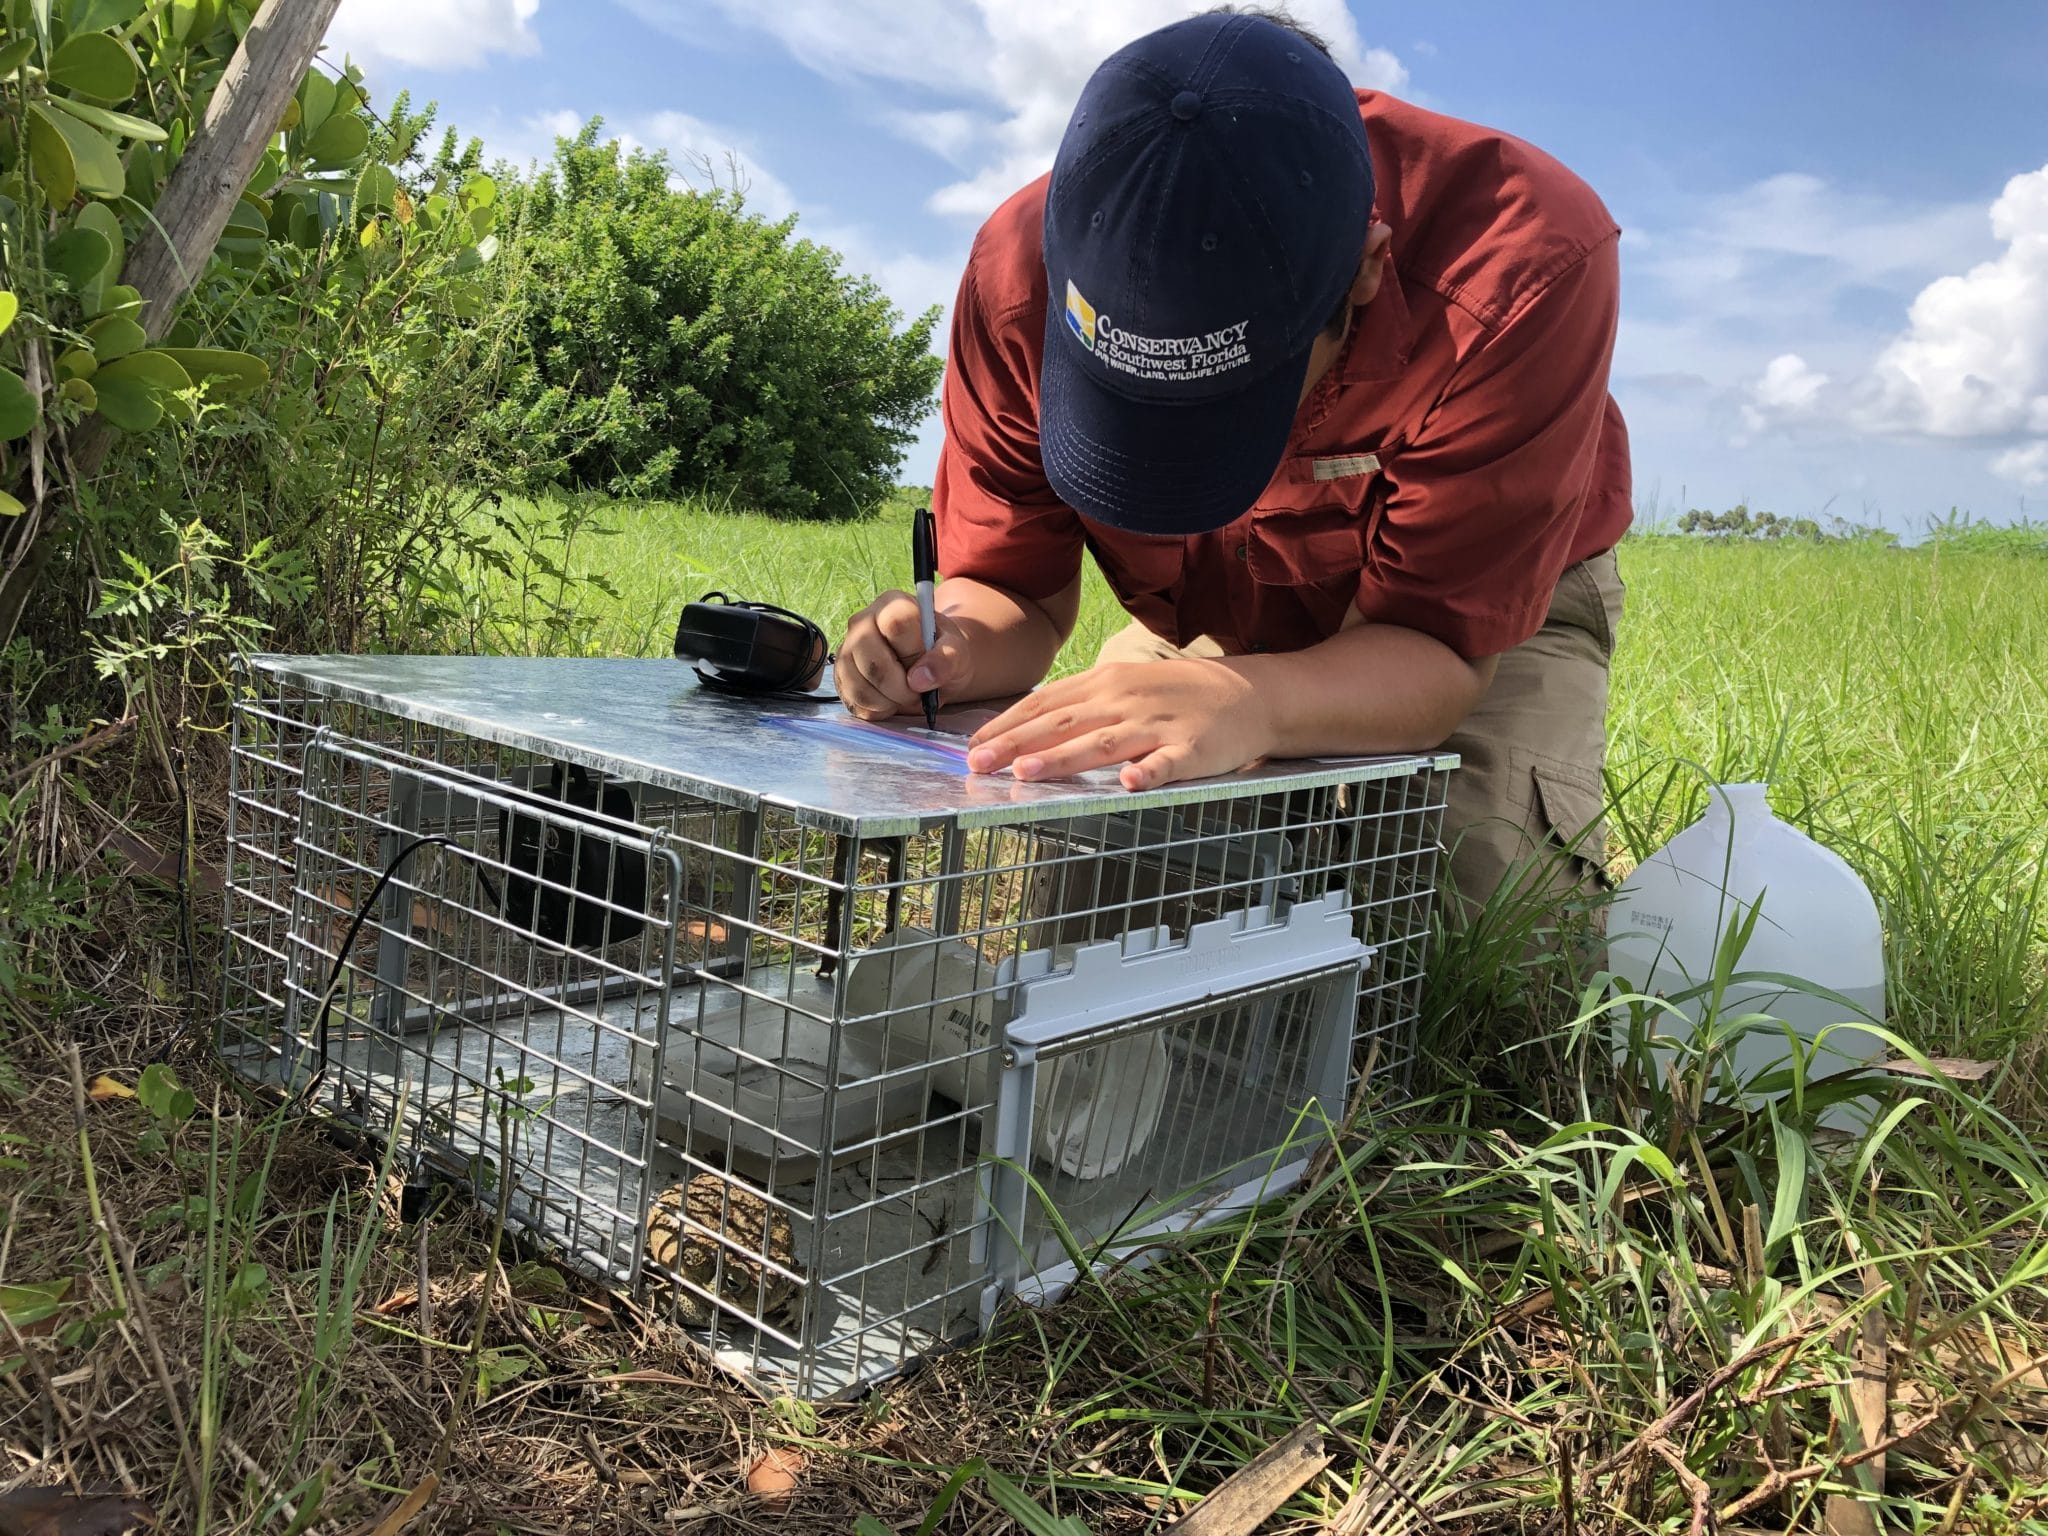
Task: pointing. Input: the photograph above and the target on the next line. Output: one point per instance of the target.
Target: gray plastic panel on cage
(810, 1042)
(1150, 1088)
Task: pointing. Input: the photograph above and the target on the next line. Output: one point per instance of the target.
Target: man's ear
(1372, 265)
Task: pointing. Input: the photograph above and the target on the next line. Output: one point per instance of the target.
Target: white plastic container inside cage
(752, 1078)
(914, 1000)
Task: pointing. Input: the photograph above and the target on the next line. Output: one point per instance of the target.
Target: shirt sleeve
(998, 519)
(1484, 504)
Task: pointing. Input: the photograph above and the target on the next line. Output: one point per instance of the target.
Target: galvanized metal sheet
(650, 719)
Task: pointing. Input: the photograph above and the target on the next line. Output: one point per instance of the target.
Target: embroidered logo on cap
(1080, 316)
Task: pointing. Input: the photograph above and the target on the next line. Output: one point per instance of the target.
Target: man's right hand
(882, 667)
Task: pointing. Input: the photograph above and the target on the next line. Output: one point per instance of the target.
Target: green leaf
(159, 1089)
(476, 255)
(250, 1285)
(184, 16)
(102, 221)
(114, 337)
(96, 64)
(463, 300)
(78, 256)
(117, 300)
(316, 100)
(1789, 1199)
(10, 306)
(130, 404)
(231, 372)
(479, 192)
(80, 393)
(121, 123)
(247, 231)
(10, 507)
(100, 172)
(19, 410)
(376, 188)
(338, 142)
(14, 55)
(49, 154)
(98, 15)
(25, 1305)
(77, 363)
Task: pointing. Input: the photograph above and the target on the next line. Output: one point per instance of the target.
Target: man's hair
(1279, 17)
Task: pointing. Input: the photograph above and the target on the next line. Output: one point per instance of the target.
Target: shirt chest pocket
(1309, 533)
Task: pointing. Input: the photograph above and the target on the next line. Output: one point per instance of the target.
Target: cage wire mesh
(828, 1071)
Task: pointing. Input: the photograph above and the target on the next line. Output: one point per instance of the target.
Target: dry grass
(1518, 1307)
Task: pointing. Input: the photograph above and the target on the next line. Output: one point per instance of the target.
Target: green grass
(1545, 1297)
(657, 556)
(1510, 1284)
(1897, 700)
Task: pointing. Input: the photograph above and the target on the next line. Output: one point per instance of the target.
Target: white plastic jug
(1095, 1110)
(1817, 922)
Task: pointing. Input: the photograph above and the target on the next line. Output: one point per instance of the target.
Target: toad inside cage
(819, 1043)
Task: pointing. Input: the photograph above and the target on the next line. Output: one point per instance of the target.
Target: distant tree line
(1741, 522)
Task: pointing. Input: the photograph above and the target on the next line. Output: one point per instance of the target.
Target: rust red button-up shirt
(1460, 455)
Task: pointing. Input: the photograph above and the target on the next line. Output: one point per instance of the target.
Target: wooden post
(241, 119)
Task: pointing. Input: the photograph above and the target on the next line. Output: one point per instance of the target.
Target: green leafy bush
(698, 348)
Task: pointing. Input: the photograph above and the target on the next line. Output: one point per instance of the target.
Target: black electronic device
(751, 648)
(565, 886)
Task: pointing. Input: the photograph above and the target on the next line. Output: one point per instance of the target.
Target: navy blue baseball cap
(1207, 211)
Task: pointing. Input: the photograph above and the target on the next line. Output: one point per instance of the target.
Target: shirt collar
(1383, 336)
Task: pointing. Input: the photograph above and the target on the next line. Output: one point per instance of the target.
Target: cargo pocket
(1569, 808)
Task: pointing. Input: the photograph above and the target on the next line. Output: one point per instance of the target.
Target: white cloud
(1790, 387)
(2026, 465)
(1790, 383)
(701, 155)
(952, 135)
(432, 34)
(1020, 67)
(1973, 360)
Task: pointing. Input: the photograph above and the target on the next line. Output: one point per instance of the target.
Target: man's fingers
(1052, 698)
(897, 618)
(1099, 747)
(1063, 742)
(868, 672)
(945, 664)
(1168, 765)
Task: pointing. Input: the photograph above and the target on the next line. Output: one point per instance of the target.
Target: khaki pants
(1525, 808)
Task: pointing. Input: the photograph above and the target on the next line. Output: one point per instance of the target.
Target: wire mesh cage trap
(818, 1042)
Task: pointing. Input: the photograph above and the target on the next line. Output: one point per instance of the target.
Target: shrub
(696, 347)
(1739, 522)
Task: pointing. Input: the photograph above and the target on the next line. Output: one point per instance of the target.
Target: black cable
(320, 1036)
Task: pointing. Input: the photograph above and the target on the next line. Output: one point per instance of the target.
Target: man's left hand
(1163, 721)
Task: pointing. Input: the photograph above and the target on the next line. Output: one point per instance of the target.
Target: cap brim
(1161, 469)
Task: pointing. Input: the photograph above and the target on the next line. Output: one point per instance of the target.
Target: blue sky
(1835, 270)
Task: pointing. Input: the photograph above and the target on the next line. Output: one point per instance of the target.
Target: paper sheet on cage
(945, 748)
